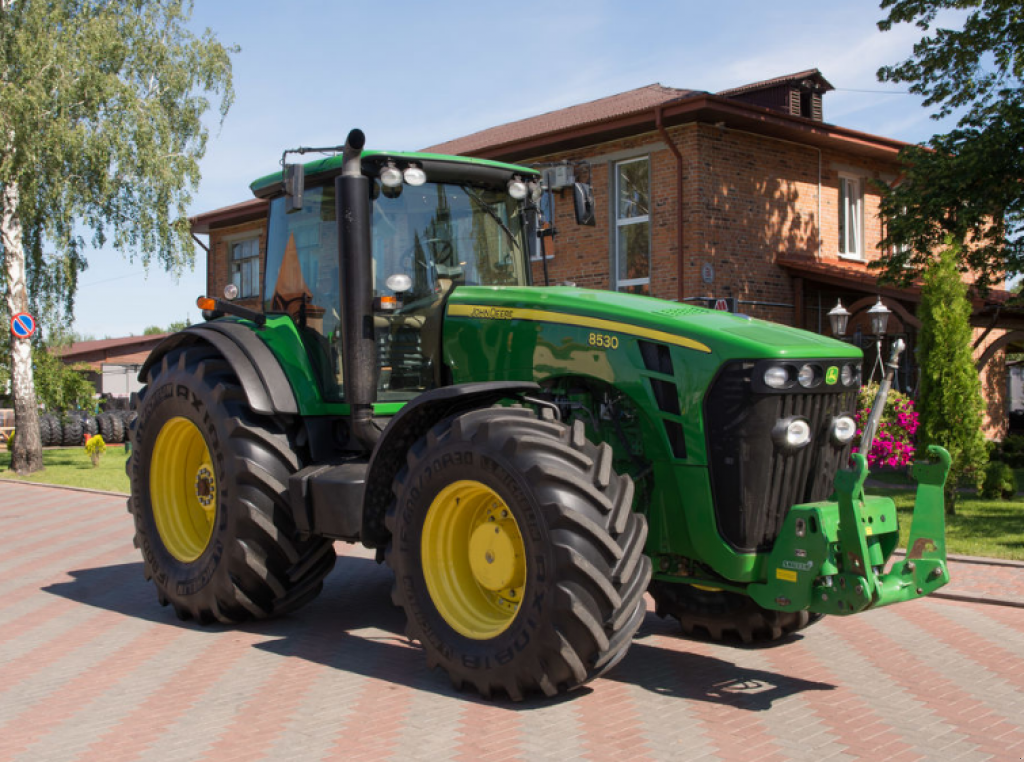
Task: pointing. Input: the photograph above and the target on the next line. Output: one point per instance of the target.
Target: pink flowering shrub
(894, 440)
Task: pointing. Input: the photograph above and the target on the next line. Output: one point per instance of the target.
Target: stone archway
(1010, 337)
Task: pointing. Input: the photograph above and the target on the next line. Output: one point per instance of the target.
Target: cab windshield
(426, 240)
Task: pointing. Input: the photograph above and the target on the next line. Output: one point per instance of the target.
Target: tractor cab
(435, 225)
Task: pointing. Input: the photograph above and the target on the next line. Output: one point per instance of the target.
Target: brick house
(746, 195)
(113, 363)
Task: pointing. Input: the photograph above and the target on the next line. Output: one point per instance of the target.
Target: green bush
(1000, 481)
(1011, 451)
(10, 442)
(95, 446)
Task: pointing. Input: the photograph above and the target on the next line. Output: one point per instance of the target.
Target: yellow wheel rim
(183, 489)
(474, 561)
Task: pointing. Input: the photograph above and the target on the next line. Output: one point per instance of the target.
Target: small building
(114, 363)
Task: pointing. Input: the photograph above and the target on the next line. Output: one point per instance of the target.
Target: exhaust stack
(355, 268)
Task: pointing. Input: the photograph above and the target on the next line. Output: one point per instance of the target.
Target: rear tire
(720, 615)
(552, 597)
(209, 487)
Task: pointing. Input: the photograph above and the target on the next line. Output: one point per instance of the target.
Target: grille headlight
(843, 429)
(792, 433)
(809, 376)
(848, 374)
(777, 377)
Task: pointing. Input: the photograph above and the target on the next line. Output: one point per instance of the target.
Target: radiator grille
(754, 481)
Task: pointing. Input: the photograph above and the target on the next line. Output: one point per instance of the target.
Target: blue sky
(411, 74)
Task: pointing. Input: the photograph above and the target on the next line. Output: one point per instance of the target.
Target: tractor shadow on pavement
(352, 627)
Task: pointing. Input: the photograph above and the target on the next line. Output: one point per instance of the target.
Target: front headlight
(809, 376)
(792, 433)
(849, 375)
(843, 429)
(777, 377)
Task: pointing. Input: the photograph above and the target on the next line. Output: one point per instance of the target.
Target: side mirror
(583, 200)
(294, 180)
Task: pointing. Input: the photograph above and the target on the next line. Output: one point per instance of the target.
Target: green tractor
(529, 461)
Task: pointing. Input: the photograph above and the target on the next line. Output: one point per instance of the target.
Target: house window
(633, 226)
(851, 217)
(245, 267)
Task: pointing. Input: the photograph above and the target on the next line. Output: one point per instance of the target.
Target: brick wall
(747, 200)
(218, 270)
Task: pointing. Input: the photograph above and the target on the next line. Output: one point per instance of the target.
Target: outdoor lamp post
(879, 315)
(839, 318)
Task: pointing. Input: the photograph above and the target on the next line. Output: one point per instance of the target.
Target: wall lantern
(838, 318)
(879, 315)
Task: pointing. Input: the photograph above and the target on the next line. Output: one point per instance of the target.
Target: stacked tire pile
(70, 429)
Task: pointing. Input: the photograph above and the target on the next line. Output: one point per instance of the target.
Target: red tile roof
(614, 106)
(81, 348)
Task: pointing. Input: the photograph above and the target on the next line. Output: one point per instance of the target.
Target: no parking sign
(23, 325)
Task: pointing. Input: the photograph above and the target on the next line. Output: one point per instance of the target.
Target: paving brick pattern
(92, 668)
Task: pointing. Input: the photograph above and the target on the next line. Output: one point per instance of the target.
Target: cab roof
(439, 168)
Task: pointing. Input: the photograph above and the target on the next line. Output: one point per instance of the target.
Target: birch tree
(101, 133)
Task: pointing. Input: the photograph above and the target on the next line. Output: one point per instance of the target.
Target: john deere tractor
(528, 460)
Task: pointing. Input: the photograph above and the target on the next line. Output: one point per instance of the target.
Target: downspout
(681, 289)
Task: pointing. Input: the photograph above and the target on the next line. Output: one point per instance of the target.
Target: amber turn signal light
(206, 303)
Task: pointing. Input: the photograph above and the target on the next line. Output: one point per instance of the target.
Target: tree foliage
(964, 184)
(949, 402)
(61, 387)
(101, 133)
(101, 127)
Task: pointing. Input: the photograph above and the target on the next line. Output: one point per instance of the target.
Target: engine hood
(696, 328)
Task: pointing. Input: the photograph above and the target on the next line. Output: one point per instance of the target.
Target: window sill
(852, 258)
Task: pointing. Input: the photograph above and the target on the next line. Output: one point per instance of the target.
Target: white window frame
(621, 222)
(237, 264)
(851, 217)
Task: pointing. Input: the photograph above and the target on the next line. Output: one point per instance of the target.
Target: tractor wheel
(106, 427)
(720, 615)
(73, 434)
(45, 430)
(117, 432)
(89, 426)
(209, 485)
(517, 557)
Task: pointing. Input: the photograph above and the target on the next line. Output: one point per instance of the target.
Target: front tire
(517, 557)
(209, 487)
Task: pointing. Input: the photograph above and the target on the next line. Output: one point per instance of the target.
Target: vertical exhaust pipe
(355, 273)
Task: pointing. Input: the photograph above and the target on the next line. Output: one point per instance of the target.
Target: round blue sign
(23, 325)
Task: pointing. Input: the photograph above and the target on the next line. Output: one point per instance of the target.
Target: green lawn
(989, 528)
(71, 467)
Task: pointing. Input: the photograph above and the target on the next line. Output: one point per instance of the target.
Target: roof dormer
(794, 94)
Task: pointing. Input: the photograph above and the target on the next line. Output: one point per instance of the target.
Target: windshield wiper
(494, 215)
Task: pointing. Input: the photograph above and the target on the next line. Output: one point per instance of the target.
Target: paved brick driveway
(91, 667)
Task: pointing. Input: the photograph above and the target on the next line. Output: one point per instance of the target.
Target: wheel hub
(492, 556)
(206, 487)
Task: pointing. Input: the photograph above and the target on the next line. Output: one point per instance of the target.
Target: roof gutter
(680, 268)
